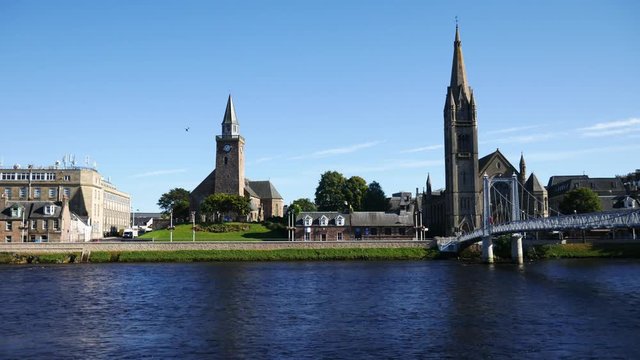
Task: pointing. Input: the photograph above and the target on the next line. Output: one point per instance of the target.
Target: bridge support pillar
(516, 249)
(487, 249)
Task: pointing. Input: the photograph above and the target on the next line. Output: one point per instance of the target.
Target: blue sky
(353, 86)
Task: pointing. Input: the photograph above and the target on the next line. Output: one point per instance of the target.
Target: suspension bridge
(496, 220)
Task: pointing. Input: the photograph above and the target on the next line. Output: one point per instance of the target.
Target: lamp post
(193, 226)
(171, 226)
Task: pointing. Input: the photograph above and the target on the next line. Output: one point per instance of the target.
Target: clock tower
(229, 173)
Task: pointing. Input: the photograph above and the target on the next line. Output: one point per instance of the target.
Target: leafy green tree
(580, 200)
(330, 191)
(303, 204)
(354, 190)
(375, 199)
(215, 205)
(178, 200)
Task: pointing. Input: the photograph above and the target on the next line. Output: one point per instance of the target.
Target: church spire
(428, 184)
(458, 72)
(523, 169)
(230, 125)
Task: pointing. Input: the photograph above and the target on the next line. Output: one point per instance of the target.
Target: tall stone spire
(458, 72)
(230, 125)
(429, 184)
(523, 169)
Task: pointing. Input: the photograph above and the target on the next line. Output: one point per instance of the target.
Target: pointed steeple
(230, 125)
(523, 169)
(428, 184)
(458, 72)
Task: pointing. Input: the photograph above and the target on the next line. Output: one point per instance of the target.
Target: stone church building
(228, 177)
(458, 208)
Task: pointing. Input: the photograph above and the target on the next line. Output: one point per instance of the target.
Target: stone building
(40, 221)
(228, 177)
(609, 190)
(94, 199)
(358, 225)
(458, 207)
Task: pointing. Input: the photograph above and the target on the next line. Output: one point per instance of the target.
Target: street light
(193, 226)
(171, 226)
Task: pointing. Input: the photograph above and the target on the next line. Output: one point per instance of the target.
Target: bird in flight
(186, 129)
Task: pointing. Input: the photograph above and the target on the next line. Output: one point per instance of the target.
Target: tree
(176, 199)
(354, 191)
(375, 199)
(330, 191)
(224, 204)
(302, 204)
(580, 200)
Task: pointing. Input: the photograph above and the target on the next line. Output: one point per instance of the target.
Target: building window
(306, 236)
(323, 237)
(45, 225)
(7, 238)
(308, 220)
(339, 221)
(402, 231)
(8, 225)
(67, 192)
(7, 193)
(324, 221)
(23, 192)
(49, 209)
(16, 211)
(52, 192)
(374, 231)
(36, 193)
(34, 224)
(339, 237)
(387, 231)
(67, 178)
(56, 224)
(226, 160)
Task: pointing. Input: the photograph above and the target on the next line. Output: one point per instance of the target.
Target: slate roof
(379, 218)
(557, 179)
(484, 161)
(533, 185)
(263, 189)
(32, 209)
(316, 215)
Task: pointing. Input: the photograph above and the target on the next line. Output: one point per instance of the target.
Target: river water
(327, 310)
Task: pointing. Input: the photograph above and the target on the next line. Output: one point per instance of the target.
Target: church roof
(458, 72)
(230, 113)
(533, 185)
(263, 189)
(484, 162)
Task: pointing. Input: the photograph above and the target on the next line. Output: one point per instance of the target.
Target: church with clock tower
(228, 177)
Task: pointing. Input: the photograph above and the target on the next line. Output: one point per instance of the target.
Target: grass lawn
(256, 232)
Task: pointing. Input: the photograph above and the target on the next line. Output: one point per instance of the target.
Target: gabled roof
(379, 218)
(557, 179)
(316, 215)
(485, 161)
(533, 185)
(263, 189)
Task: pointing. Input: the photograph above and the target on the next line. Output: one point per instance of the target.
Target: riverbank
(284, 251)
(222, 255)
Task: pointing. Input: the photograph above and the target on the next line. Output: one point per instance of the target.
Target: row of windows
(35, 176)
(33, 224)
(34, 238)
(36, 192)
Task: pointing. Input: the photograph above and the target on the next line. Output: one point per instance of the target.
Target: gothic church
(458, 208)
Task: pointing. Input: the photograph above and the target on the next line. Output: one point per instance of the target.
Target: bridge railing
(600, 220)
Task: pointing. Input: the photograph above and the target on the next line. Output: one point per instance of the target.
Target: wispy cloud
(421, 149)
(389, 165)
(158, 172)
(264, 159)
(523, 139)
(572, 154)
(338, 151)
(610, 128)
(511, 130)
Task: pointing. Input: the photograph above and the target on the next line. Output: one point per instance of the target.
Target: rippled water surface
(330, 310)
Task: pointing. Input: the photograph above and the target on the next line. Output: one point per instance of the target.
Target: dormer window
(324, 221)
(339, 220)
(16, 211)
(49, 209)
(308, 220)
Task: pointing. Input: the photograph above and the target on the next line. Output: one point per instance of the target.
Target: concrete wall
(217, 245)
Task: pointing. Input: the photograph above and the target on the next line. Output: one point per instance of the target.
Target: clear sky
(353, 86)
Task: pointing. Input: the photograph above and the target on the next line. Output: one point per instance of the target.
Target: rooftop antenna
(456, 21)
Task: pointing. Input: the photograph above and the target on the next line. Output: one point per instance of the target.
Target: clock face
(227, 148)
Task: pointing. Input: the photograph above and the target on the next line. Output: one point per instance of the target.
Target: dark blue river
(321, 310)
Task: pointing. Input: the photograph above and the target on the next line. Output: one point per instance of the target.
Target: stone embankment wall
(33, 248)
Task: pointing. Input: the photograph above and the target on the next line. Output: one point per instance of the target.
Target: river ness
(326, 310)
